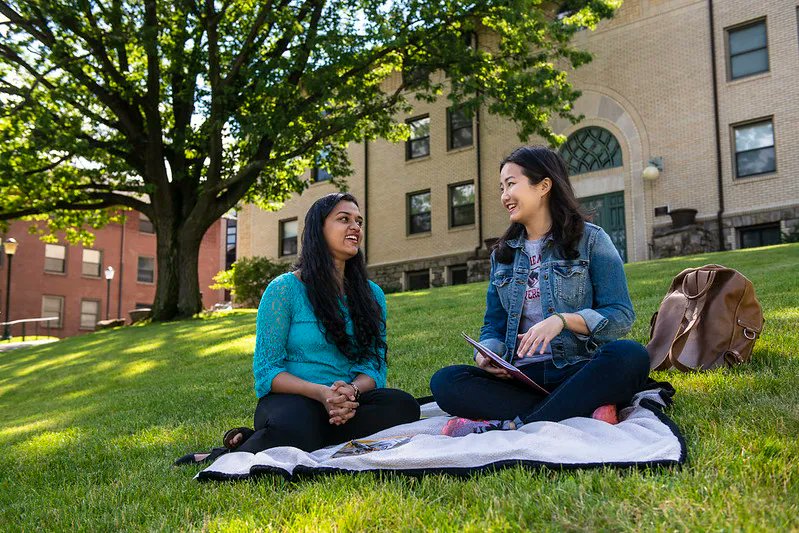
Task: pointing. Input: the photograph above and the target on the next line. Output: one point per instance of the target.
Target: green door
(608, 213)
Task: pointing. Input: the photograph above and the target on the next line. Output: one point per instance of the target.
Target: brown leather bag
(709, 317)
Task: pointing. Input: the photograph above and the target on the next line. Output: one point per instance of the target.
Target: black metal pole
(7, 329)
(107, 297)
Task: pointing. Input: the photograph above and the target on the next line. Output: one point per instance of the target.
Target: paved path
(8, 346)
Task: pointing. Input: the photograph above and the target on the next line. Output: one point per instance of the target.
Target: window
(146, 270)
(145, 224)
(419, 212)
(754, 149)
(320, 174)
(589, 149)
(418, 279)
(459, 129)
(55, 258)
(764, 235)
(53, 306)
(461, 205)
(230, 242)
(458, 274)
(89, 313)
(419, 143)
(748, 48)
(288, 237)
(92, 260)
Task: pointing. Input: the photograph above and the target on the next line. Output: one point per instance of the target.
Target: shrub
(248, 277)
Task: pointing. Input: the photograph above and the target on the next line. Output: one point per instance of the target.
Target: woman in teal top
(320, 348)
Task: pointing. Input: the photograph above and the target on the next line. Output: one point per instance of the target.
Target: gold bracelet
(357, 391)
(562, 318)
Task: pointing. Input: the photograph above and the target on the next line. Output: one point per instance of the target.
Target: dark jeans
(617, 371)
(294, 420)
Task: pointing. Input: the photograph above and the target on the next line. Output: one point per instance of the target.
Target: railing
(25, 321)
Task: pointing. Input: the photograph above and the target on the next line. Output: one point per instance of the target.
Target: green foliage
(90, 449)
(182, 110)
(248, 277)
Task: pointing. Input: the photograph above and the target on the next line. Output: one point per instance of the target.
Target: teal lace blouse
(289, 339)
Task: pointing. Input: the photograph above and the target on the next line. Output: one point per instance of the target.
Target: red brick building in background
(68, 281)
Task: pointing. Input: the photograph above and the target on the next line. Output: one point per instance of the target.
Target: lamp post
(109, 275)
(10, 247)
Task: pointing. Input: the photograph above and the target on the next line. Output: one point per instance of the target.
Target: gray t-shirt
(531, 310)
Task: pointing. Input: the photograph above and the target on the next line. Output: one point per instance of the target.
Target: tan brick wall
(650, 84)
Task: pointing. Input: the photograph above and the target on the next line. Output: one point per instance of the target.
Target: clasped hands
(538, 336)
(339, 401)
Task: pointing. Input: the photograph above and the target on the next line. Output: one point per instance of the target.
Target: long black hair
(318, 273)
(537, 163)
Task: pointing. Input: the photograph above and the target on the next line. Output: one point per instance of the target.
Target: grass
(89, 427)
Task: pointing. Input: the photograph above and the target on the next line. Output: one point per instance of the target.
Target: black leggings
(298, 421)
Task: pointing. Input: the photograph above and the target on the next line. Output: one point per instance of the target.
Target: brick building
(68, 281)
(705, 92)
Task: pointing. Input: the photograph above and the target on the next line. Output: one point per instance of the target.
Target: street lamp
(109, 275)
(11, 248)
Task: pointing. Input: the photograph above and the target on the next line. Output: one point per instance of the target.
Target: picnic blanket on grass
(645, 437)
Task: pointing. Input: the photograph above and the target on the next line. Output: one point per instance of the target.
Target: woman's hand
(339, 403)
(486, 364)
(539, 335)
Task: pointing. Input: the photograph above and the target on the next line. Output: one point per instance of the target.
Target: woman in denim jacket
(557, 302)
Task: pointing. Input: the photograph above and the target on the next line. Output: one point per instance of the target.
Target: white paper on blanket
(514, 372)
(642, 438)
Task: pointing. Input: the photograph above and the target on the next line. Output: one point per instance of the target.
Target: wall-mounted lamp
(653, 169)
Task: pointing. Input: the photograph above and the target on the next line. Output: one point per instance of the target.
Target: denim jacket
(593, 285)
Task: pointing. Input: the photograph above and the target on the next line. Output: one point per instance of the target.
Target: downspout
(366, 198)
(719, 175)
(121, 267)
(479, 176)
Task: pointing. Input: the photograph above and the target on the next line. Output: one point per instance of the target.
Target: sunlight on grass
(49, 442)
(139, 367)
(90, 426)
(49, 362)
(244, 344)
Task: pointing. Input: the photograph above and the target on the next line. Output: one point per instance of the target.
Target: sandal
(227, 439)
(193, 459)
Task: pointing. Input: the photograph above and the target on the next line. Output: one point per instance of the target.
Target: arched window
(591, 148)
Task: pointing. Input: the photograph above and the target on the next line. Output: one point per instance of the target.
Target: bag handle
(702, 283)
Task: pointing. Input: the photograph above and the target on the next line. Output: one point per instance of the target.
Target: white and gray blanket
(645, 437)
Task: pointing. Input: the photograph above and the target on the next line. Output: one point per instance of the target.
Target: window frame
(144, 220)
(60, 323)
(97, 315)
(411, 273)
(730, 56)
(282, 237)
(759, 228)
(83, 264)
(735, 152)
(408, 214)
(451, 130)
(139, 270)
(408, 152)
(63, 260)
(451, 207)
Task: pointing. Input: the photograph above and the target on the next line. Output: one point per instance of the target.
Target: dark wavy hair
(568, 219)
(318, 273)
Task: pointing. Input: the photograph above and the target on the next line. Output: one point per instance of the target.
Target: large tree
(183, 109)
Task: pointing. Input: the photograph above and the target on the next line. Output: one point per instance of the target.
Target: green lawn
(89, 427)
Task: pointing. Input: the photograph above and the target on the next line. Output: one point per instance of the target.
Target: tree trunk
(177, 292)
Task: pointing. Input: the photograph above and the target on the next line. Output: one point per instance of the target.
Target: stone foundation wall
(392, 278)
(703, 236)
